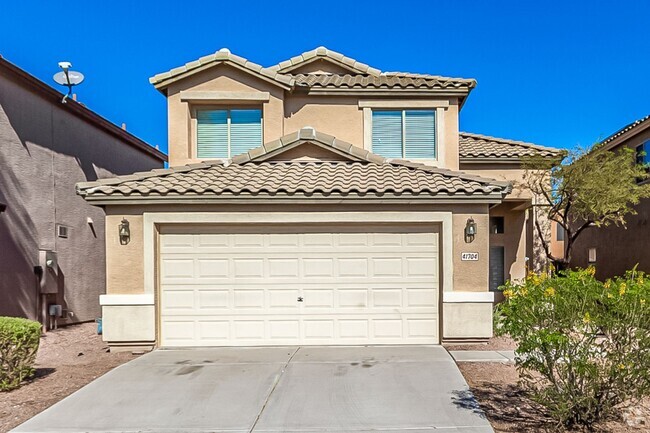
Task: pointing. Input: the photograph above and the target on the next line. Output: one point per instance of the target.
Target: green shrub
(584, 345)
(19, 339)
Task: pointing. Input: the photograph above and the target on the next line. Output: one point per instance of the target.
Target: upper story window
(409, 134)
(643, 153)
(225, 133)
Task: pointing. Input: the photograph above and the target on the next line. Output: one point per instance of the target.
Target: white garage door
(268, 287)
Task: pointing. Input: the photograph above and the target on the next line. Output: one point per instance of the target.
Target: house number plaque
(469, 257)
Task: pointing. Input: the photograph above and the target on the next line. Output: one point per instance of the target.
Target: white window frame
(440, 108)
(195, 124)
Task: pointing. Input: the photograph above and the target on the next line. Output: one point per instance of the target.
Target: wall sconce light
(470, 230)
(125, 232)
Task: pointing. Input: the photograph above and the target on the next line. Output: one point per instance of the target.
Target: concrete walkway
(282, 389)
(483, 355)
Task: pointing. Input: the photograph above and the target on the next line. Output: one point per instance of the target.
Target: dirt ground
(494, 343)
(68, 359)
(495, 387)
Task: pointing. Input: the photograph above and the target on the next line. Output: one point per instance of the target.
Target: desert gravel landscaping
(68, 358)
(494, 386)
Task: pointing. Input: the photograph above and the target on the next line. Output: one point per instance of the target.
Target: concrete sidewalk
(483, 355)
(280, 389)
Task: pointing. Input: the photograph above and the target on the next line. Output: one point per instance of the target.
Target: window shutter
(245, 130)
(212, 133)
(387, 133)
(420, 131)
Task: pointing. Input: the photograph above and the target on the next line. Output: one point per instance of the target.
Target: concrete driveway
(279, 389)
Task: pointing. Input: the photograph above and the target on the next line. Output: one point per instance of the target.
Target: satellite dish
(68, 78)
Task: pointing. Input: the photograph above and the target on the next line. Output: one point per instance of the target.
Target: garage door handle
(300, 299)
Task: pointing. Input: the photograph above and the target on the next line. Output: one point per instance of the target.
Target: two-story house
(317, 201)
(614, 250)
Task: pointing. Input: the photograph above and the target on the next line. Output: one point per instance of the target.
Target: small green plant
(19, 339)
(584, 345)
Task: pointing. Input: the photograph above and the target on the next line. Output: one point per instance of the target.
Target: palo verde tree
(586, 188)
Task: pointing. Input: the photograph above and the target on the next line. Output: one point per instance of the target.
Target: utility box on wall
(47, 260)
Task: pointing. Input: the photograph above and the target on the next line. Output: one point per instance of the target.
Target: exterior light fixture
(470, 230)
(125, 232)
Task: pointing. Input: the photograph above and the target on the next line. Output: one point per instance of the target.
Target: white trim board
(123, 299)
(468, 297)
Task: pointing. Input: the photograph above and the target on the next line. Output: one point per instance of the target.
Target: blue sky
(559, 73)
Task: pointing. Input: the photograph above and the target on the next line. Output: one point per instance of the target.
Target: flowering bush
(584, 345)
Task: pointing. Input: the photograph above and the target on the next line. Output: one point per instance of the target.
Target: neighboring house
(51, 240)
(338, 204)
(614, 250)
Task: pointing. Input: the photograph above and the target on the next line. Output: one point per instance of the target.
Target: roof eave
(385, 92)
(614, 140)
(476, 198)
(285, 83)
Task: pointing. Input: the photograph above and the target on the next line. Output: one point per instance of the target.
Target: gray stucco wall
(618, 249)
(44, 151)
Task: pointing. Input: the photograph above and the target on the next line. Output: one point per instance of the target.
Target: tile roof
(383, 81)
(361, 76)
(626, 128)
(222, 56)
(324, 53)
(250, 174)
(291, 179)
(476, 146)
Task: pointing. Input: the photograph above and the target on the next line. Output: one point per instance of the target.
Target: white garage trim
(289, 284)
(152, 219)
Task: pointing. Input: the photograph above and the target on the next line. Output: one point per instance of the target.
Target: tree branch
(547, 249)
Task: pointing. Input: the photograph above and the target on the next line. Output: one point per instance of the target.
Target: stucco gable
(223, 56)
(322, 54)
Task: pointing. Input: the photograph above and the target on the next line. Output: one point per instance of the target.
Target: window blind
(420, 134)
(226, 133)
(404, 134)
(212, 134)
(387, 133)
(245, 130)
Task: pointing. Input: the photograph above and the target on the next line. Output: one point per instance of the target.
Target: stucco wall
(44, 151)
(287, 112)
(337, 116)
(521, 239)
(618, 249)
(223, 78)
(513, 239)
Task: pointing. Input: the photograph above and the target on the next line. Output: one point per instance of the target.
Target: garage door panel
(356, 267)
(244, 288)
(212, 268)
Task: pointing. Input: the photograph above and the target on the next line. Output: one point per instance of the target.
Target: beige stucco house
(614, 250)
(52, 249)
(317, 201)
